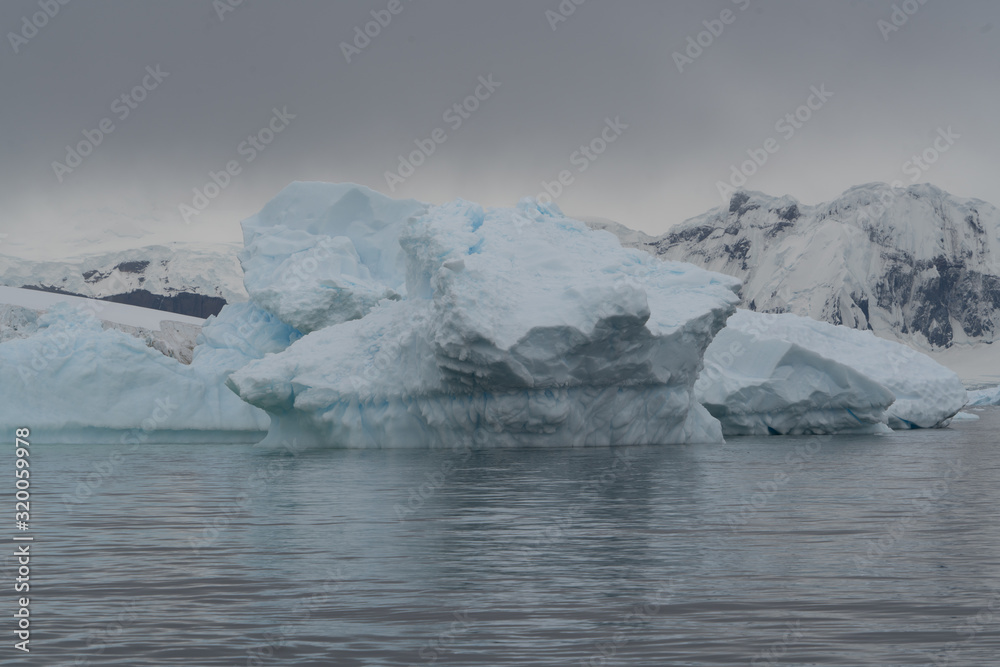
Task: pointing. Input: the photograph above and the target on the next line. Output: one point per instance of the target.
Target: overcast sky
(887, 94)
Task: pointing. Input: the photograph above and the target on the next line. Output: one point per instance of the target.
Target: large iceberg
(767, 373)
(511, 327)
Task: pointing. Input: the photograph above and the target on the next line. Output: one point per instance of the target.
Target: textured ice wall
(520, 327)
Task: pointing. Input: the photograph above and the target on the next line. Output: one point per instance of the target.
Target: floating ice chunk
(987, 396)
(757, 385)
(926, 393)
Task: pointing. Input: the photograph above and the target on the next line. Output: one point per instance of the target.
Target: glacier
(783, 373)
(510, 327)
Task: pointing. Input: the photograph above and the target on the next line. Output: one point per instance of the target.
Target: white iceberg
(73, 381)
(768, 373)
(766, 386)
(322, 253)
(519, 327)
(987, 396)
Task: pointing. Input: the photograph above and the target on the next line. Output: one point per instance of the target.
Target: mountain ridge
(914, 264)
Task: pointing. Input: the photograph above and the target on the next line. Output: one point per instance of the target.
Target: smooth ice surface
(519, 327)
(986, 396)
(785, 367)
(756, 384)
(322, 253)
(75, 381)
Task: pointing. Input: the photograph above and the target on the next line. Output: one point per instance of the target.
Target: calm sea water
(791, 551)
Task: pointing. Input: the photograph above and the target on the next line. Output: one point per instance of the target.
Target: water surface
(867, 550)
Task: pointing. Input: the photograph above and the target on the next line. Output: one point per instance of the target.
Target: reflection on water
(867, 550)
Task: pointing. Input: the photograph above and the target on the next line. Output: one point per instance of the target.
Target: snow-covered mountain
(177, 278)
(916, 264)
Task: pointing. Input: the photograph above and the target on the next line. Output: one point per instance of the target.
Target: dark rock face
(133, 267)
(737, 200)
(938, 293)
(94, 276)
(181, 303)
(739, 251)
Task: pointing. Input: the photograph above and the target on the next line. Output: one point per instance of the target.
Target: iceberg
(985, 396)
(767, 386)
(75, 381)
(767, 373)
(321, 253)
(375, 322)
(508, 327)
